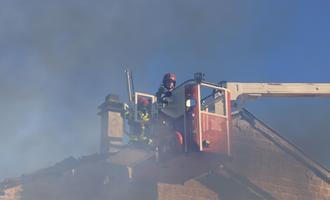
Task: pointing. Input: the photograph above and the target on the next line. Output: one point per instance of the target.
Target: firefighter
(166, 88)
(169, 138)
(143, 108)
(139, 130)
(144, 116)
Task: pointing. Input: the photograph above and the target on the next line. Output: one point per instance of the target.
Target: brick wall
(270, 173)
(271, 168)
(191, 189)
(13, 193)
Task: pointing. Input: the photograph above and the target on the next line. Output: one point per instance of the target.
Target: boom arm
(242, 91)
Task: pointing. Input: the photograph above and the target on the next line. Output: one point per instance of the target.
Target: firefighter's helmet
(143, 101)
(168, 79)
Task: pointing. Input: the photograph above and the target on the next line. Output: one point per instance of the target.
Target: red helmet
(168, 78)
(143, 101)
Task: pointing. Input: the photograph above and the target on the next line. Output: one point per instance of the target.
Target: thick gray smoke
(58, 59)
(303, 121)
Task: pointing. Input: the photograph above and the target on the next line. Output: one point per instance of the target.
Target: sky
(59, 59)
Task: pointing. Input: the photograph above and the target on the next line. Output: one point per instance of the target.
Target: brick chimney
(112, 124)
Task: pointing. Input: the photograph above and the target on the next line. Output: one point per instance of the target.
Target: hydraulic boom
(240, 92)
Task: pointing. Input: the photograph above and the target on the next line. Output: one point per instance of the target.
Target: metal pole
(130, 86)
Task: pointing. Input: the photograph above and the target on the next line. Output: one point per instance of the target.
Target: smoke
(58, 59)
(303, 121)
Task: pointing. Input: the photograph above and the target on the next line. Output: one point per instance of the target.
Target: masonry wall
(112, 128)
(13, 193)
(267, 166)
(271, 173)
(192, 189)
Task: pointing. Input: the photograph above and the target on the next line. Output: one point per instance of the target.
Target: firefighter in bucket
(139, 122)
(166, 88)
(143, 133)
(169, 136)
